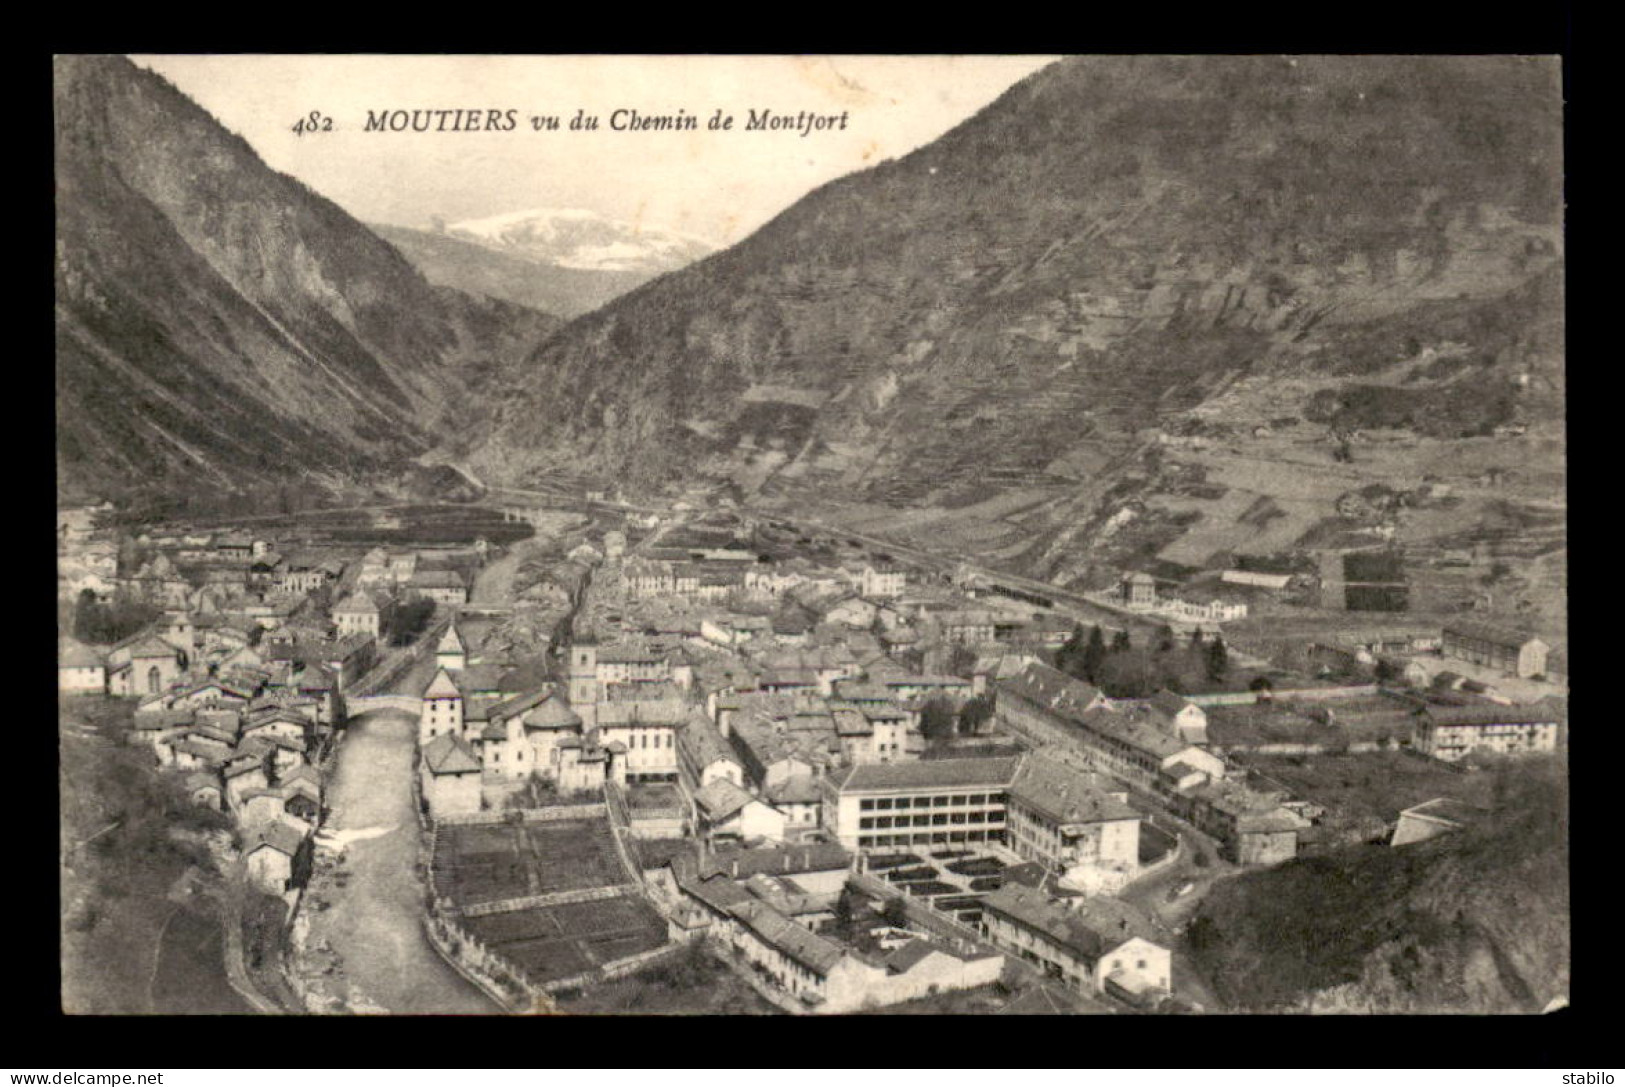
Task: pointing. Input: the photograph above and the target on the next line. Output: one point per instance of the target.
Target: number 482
(315, 122)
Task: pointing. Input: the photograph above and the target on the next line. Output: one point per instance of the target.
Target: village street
(375, 922)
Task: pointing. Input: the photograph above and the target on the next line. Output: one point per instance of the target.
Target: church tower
(584, 681)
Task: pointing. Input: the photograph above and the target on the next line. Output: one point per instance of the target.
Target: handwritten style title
(802, 122)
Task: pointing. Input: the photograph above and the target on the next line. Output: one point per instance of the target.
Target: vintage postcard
(811, 535)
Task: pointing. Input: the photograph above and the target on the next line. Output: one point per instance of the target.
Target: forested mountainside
(219, 323)
(1113, 241)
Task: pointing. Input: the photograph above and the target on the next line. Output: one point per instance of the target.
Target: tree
(1218, 660)
(895, 912)
(84, 613)
(405, 622)
(1165, 639)
(974, 714)
(1094, 655)
(937, 721)
(962, 661)
(845, 907)
(1120, 641)
(1071, 651)
(1262, 687)
(1130, 674)
(1203, 934)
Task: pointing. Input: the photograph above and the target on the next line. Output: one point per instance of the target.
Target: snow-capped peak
(577, 238)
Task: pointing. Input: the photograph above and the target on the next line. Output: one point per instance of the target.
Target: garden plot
(553, 942)
(486, 864)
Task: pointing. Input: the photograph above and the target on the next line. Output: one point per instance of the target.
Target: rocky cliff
(218, 322)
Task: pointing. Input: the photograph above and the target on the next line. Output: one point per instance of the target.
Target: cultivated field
(477, 864)
(553, 942)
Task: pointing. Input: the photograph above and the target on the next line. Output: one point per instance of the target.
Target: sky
(717, 185)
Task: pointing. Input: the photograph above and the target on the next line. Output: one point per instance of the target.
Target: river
(375, 922)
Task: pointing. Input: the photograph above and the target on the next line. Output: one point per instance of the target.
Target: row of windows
(957, 801)
(940, 819)
(641, 740)
(871, 841)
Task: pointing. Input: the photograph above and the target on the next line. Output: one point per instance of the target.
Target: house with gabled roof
(358, 613)
(278, 722)
(203, 789)
(80, 669)
(269, 854)
(706, 756)
(449, 774)
(1092, 945)
(1181, 717)
(728, 812)
(244, 773)
(445, 587)
(143, 664)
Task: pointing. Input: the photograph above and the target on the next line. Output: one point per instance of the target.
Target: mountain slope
(467, 265)
(216, 321)
(1476, 921)
(1113, 240)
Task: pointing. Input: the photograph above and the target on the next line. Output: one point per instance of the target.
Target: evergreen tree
(1120, 641)
(1218, 660)
(1094, 655)
(1068, 657)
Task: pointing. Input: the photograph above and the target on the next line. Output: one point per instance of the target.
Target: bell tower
(584, 680)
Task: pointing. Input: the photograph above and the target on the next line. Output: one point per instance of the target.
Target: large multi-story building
(1507, 651)
(937, 802)
(1149, 748)
(1077, 825)
(1451, 732)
